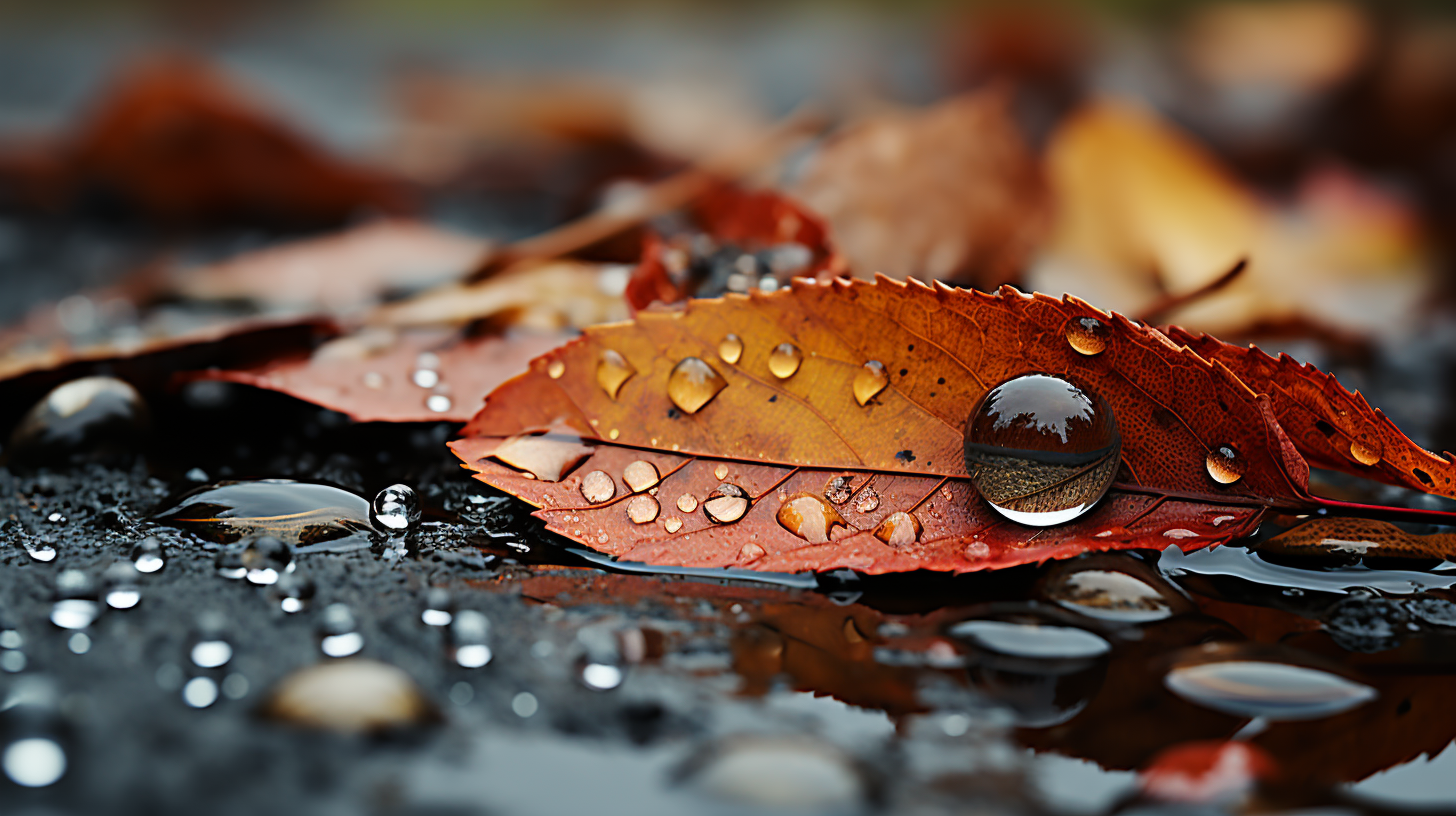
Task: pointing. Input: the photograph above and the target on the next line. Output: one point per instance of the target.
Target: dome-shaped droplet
(720, 472)
(640, 475)
(1041, 450)
(687, 502)
(597, 487)
(693, 384)
(555, 369)
(809, 517)
(396, 508)
(1087, 335)
(899, 529)
(148, 555)
(266, 558)
(1259, 688)
(672, 524)
(121, 586)
(727, 504)
(730, 348)
(1367, 452)
(1224, 464)
(869, 381)
(642, 509)
(613, 370)
(784, 360)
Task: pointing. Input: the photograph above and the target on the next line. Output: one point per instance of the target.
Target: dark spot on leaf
(1165, 418)
(912, 347)
(774, 398)
(932, 393)
(1324, 427)
(905, 456)
(1404, 707)
(940, 381)
(904, 371)
(673, 413)
(1423, 476)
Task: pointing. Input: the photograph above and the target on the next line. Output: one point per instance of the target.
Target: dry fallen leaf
(950, 193)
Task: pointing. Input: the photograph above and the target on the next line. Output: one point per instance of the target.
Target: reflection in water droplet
(612, 371)
(1110, 595)
(1041, 450)
(809, 517)
(396, 508)
(34, 762)
(727, 504)
(869, 381)
(299, 513)
(1032, 640)
(899, 529)
(1274, 691)
(839, 488)
(642, 509)
(687, 502)
(672, 524)
(1224, 464)
(640, 475)
(597, 487)
(1087, 335)
(730, 348)
(693, 384)
(200, 692)
(556, 369)
(148, 555)
(1366, 452)
(784, 360)
(868, 501)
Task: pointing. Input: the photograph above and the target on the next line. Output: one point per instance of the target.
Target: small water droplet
(720, 472)
(869, 381)
(809, 517)
(784, 360)
(730, 348)
(1042, 451)
(1224, 465)
(612, 371)
(1274, 691)
(597, 487)
(672, 524)
(899, 529)
(640, 475)
(727, 504)
(1088, 335)
(148, 555)
(867, 501)
(293, 592)
(34, 762)
(1366, 452)
(839, 488)
(121, 589)
(601, 676)
(373, 380)
(642, 509)
(439, 608)
(200, 692)
(396, 509)
(524, 704)
(425, 378)
(613, 434)
(469, 636)
(266, 558)
(976, 550)
(750, 552)
(693, 384)
(210, 654)
(229, 564)
(556, 369)
(439, 403)
(687, 502)
(40, 551)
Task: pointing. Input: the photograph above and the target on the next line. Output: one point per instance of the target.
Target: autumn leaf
(951, 192)
(1332, 427)
(746, 419)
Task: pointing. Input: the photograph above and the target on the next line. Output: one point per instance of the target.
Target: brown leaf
(950, 193)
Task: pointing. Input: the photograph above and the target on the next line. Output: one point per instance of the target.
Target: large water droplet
(613, 370)
(899, 529)
(87, 415)
(1087, 335)
(809, 517)
(1274, 691)
(640, 475)
(693, 384)
(1224, 464)
(265, 558)
(730, 348)
(598, 487)
(784, 360)
(298, 513)
(870, 380)
(148, 555)
(396, 509)
(726, 504)
(1041, 450)
(642, 509)
(1366, 452)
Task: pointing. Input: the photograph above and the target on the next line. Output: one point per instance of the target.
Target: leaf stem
(1335, 507)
